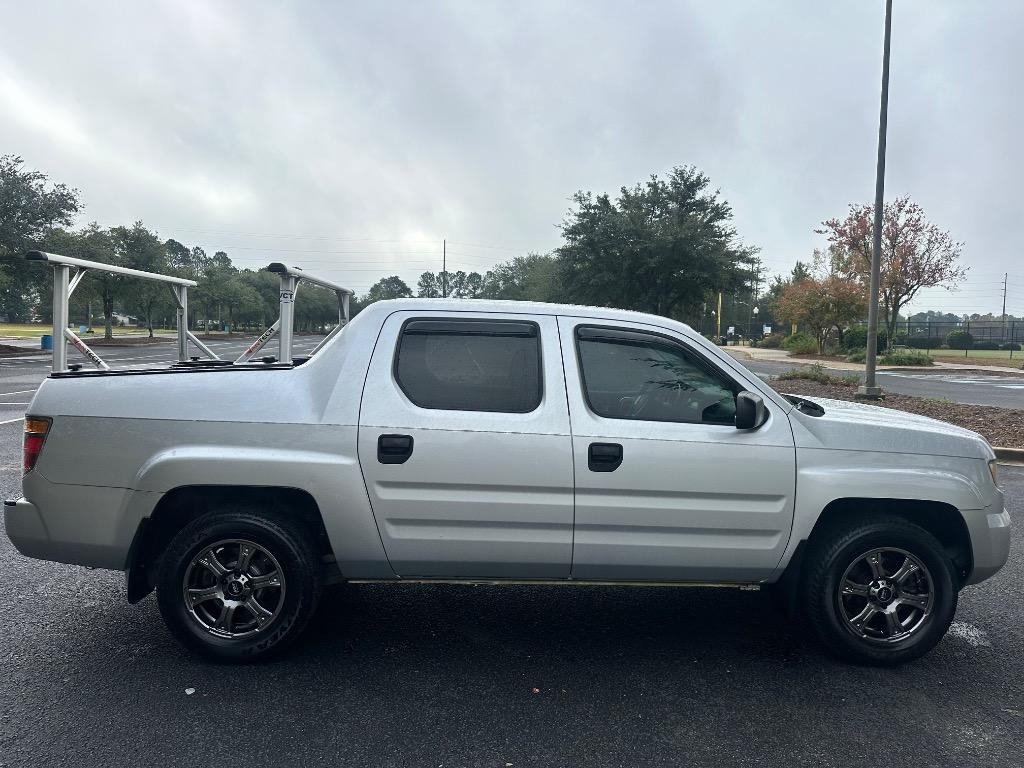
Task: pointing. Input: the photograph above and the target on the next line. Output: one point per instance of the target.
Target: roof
(525, 307)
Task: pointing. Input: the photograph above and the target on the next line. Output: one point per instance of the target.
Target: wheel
(880, 591)
(236, 585)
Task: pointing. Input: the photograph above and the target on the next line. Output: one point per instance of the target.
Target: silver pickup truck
(504, 442)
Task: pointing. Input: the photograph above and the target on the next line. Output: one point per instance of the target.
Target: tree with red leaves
(916, 254)
(822, 301)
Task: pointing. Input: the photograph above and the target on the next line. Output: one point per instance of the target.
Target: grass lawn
(1002, 354)
(35, 330)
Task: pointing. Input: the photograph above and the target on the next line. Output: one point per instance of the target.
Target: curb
(1009, 455)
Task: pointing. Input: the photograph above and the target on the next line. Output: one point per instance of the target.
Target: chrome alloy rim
(234, 588)
(886, 596)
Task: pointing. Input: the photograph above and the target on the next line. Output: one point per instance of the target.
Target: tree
(429, 286)
(30, 210)
(94, 244)
(663, 247)
(915, 254)
(533, 277)
(822, 303)
(138, 248)
(387, 288)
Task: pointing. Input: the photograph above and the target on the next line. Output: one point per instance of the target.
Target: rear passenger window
(470, 365)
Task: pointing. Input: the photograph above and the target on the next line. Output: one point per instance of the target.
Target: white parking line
(11, 421)
(19, 392)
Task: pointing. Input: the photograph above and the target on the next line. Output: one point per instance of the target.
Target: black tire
(853, 549)
(282, 547)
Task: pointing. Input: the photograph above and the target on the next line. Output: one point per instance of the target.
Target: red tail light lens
(36, 429)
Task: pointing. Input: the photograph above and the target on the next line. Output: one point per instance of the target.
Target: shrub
(1011, 346)
(923, 342)
(801, 344)
(818, 373)
(772, 341)
(985, 345)
(907, 357)
(959, 340)
(857, 356)
(856, 338)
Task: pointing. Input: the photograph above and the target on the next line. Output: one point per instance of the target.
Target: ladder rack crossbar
(64, 285)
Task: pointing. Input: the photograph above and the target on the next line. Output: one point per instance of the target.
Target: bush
(907, 358)
(857, 356)
(801, 344)
(1011, 346)
(985, 345)
(772, 341)
(960, 340)
(923, 342)
(817, 373)
(856, 338)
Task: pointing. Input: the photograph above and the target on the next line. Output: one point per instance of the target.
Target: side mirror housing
(750, 410)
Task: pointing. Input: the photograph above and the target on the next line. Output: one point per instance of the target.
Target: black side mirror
(750, 411)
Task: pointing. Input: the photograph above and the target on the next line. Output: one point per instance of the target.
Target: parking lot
(489, 676)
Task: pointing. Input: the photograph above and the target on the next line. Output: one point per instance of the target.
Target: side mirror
(750, 411)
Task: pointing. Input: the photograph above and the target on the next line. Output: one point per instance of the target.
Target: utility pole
(444, 269)
(1006, 277)
(870, 388)
(718, 321)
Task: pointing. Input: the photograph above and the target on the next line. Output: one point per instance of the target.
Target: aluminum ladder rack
(284, 326)
(64, 285)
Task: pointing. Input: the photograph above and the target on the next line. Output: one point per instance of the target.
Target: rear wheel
(879, 591)
(237, 585)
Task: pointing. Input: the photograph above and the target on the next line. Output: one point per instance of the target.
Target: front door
(666, 487)
(465, 448)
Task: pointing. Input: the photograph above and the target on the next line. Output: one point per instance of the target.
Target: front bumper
(989, 529)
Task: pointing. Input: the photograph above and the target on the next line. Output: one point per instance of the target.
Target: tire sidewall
(924, 547)
(299, 586)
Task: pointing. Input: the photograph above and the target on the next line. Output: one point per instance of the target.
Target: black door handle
(394, 449)
(604, 457)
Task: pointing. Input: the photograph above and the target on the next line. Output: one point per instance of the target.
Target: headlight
(993, 467)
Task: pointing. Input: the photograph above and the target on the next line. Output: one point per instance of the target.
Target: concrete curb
(1009, 455)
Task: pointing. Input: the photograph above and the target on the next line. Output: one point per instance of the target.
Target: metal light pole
(870, 388)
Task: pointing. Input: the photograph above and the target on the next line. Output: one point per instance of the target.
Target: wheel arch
(941, 519)
(178, 507)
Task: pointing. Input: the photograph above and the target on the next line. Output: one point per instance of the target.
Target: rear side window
(470, 365)
(646, 376)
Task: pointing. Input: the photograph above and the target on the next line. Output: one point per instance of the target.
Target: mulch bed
(1000, 426)
(122, 341)
(7, 350)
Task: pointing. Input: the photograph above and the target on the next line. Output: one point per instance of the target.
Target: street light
(750, 331)
(870, 388)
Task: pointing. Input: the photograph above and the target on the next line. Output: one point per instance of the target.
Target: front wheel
(237, 585)
(879, 591)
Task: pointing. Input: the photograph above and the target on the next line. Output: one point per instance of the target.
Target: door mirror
(750, 410)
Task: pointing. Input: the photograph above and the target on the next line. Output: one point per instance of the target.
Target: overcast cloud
(354, 137)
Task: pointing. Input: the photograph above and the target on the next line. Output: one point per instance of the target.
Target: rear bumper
(77, 524)
(990, 540)
(25, 528)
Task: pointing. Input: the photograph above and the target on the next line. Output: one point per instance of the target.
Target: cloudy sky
(354, 137)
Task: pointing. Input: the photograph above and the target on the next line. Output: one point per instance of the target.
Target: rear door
(465, 448)
(666, 487)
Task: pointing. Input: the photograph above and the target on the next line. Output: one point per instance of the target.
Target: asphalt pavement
(413, 675)
(1004, 391)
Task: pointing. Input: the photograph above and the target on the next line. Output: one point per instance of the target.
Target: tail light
(36, 428)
